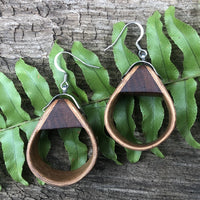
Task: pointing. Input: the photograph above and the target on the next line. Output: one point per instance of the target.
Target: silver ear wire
(66, 52)
(142, 52)
(59, 95)
(64, 85)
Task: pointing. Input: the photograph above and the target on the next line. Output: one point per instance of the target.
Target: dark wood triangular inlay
(141, 83)
(61, 116)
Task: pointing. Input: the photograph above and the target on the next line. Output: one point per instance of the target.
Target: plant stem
(182, 79)
(19, 124)
(100, 100)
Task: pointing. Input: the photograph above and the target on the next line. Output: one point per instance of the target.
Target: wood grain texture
(141, 80)
(61, 116)
(140, 83)
(51, 119)
(28, 29)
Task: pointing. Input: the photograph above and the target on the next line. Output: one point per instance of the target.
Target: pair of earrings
(140, 79)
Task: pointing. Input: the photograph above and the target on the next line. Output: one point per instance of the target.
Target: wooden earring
(141, 79)
(60, 113)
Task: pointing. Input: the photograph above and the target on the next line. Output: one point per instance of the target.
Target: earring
(60, 113)
(140, 79)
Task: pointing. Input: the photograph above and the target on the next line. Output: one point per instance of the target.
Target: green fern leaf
(13, 153)
(124, 58)
(153, 115)
(28, 128)
(44, 143)
(2, 122)
(37, 89)
(10, 102)
(159, 49)
(187, 39)
(77, 151)
(2, 126)
(186, 109)
(35, 86)
(58, 76)
(125, 125)
(95, 116)
(97, 79)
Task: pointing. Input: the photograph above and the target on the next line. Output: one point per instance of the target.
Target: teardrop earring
(60, 113)
(140, 79)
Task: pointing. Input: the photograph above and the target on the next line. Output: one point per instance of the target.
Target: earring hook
(64, 85)
(142, 52)
(66, 52)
